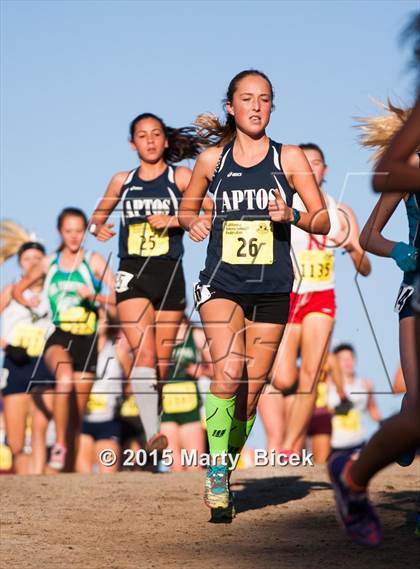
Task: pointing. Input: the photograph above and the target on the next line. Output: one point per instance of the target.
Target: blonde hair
(377, 132)
(211, 128)
(12, 237)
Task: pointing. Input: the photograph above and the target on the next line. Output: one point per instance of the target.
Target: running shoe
(224, 515)
(158, 442)
(216, 490)
(57, 457)
(354, 510)
(407, 458)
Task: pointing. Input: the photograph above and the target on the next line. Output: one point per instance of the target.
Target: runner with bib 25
(150, 283)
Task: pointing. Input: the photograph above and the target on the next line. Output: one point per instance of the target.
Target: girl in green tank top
(73, 280)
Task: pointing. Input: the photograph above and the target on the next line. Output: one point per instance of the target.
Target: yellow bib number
(349, 422)
(129, 408)
(146, 241)
(316, 266)
(29, 337)
(77, 320)
(97, 403)
(321, 399)
(247, 242)
(179, 397)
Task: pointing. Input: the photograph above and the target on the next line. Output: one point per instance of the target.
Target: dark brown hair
(183, 143)
(66, 212)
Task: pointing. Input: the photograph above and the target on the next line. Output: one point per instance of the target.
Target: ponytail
(183, 143)
(377, 132)
(15, 240)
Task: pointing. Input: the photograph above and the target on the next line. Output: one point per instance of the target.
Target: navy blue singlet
(247, 252)
(139, 199)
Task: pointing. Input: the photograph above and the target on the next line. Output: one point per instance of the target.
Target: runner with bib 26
(244, 289)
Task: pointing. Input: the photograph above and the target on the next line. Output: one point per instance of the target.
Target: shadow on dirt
(253, 494)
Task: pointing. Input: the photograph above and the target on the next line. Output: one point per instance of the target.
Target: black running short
(102, 430)
(25, 378)
(83, 349)
(159, 280)
(271, 308)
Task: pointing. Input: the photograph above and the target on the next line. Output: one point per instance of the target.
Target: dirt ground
(134, 520)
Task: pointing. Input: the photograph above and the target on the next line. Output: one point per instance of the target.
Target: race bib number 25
(146, 241)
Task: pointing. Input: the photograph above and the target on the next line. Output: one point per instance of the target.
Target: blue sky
(75, 73)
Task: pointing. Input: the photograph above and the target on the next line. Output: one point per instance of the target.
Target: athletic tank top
(313, 255)
(247, 252)
(69, 311)
(348, 430)
(141, 198)
(26, 328)
(180, 392)
(107, 390)
(412, 206)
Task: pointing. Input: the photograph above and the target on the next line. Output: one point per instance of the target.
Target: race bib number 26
(247, 242)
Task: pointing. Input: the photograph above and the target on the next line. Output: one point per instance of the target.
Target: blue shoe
(407, 458)
(354, 510)
(216, 490)
(224, 515)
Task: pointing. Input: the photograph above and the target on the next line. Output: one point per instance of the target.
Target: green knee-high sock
(219, 415)
(239, 433)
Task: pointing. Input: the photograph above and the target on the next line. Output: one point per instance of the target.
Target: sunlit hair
(377, 132)
(183, 143)
(220, 133)
(15, 240)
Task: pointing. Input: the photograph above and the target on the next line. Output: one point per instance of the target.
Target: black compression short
(160, 280)
(271, 308)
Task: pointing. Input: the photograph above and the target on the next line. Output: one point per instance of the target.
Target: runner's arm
(399, 382)
(106, 206)
(104, 274)
(300, 176)
(192, 201)
(371, 238)
(5, 297)
(34, 276)
(351, 243)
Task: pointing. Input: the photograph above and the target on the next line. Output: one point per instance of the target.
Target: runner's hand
(85, 293)
(405, 256)
(159, 221)
(278, 209)
(199, 229)
(34, 301)
(105, 232)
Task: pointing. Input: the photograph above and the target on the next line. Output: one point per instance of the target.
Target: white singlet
(313, 255)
